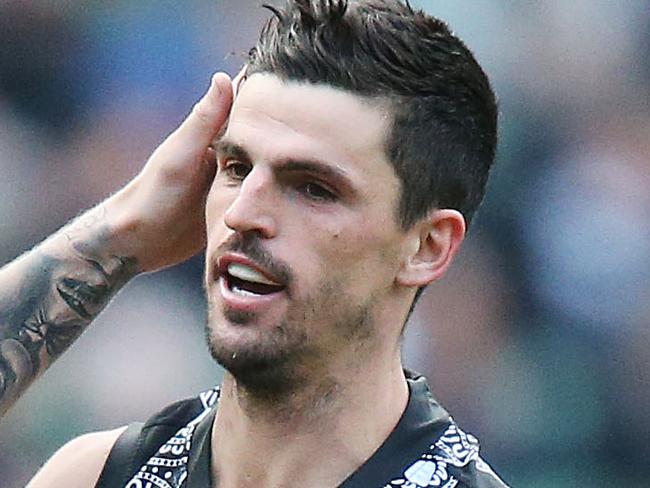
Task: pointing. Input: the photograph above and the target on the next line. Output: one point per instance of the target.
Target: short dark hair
(443, 137)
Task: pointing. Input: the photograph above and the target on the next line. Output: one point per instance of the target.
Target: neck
(342, 418)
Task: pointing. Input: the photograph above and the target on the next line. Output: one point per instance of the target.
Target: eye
(236, 169)
(318, 192)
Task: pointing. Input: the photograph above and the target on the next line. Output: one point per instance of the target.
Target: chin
(264, 360)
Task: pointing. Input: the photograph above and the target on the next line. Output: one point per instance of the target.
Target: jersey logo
(454, 448)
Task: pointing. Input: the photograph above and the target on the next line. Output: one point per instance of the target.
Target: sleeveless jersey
(426, 449)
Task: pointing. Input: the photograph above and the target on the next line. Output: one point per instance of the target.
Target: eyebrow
(229, 149)
(316, 168)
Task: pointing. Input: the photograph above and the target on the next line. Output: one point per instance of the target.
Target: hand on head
(160, 213)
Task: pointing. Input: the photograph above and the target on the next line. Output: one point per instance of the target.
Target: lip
(239, 302)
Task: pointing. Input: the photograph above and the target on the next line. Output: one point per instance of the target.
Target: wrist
(102, 237)
(119, 230)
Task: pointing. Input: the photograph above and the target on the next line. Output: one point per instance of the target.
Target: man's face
(303, 246)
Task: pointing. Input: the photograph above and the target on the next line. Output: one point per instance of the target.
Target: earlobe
(432, 247)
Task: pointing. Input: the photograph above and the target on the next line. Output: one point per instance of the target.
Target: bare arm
(50, 295)
(79, 463)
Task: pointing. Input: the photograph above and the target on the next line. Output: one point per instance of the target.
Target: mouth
(243, 278)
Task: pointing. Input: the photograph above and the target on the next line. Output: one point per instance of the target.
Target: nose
(253, 208)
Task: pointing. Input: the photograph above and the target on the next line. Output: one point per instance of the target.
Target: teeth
(247, 273)
(244, 293)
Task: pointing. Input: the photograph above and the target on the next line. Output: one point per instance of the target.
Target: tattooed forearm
(49, 297)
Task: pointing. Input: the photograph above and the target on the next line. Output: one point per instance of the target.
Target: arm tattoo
(52, 301)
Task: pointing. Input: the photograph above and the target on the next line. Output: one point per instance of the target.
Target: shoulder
(78, 463)
(81, 462)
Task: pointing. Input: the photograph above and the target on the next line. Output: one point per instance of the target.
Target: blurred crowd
(538, 341)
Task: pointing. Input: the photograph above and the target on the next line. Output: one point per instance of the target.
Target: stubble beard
(265, 367)
(284, 359)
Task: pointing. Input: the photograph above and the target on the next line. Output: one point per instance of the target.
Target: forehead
(273, 119)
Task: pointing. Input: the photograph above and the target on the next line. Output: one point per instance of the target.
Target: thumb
(207, 117)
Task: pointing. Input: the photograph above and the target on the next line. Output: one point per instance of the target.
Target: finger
(238, 79)
(208, 115)
(210, 160)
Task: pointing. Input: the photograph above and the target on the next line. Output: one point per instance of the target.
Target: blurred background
(538, 341)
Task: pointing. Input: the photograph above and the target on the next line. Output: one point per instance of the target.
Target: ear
(431, 247)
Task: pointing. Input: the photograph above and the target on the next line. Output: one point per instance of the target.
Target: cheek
(215, 207)
(357, 256)
(217, 202)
